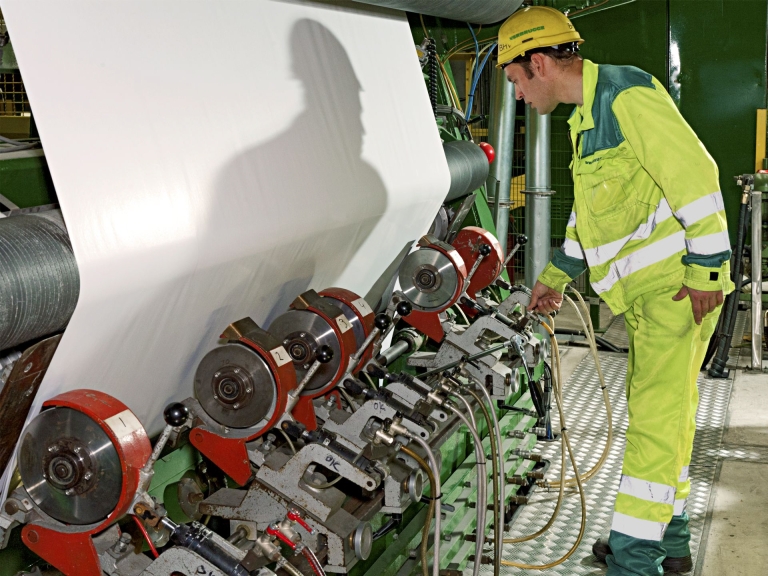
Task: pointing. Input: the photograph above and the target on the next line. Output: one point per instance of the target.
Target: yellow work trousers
(666, 349)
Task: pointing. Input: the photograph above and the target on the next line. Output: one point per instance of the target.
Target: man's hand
(544, 299)
(702, 302)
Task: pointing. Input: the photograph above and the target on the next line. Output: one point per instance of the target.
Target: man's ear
(538, 64)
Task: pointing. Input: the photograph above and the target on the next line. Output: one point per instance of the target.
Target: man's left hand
(702, 302)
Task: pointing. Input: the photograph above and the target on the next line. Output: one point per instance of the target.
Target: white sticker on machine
(362, 306)
(343, 323)
(123, 424)
(280, 355)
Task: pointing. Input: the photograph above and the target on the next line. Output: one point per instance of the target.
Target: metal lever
(323, 356)
(520, 240)
(175, 415)
(532, 387)
(272, 530)
(484, 250)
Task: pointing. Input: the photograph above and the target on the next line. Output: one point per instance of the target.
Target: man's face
(537, 91)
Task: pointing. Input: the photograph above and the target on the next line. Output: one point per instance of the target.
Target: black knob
(484, 250)
(175, 414)
(353, 387)
(293, 429)
(324, 354)
(522, 239)
(382, 322)
(403, 308)
(376, 371)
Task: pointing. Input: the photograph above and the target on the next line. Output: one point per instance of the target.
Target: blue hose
(476, 79)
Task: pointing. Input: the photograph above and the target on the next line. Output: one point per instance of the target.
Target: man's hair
(563, 54)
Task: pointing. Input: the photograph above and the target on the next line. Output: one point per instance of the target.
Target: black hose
(432, 54)
(723, 338)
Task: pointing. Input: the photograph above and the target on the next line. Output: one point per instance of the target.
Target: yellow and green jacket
(647, 211)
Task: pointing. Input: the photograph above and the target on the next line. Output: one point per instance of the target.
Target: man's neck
(572, 84)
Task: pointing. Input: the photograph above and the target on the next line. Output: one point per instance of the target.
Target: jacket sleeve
(567, 262)
(673, 156)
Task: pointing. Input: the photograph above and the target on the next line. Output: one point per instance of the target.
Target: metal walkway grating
(587, 426)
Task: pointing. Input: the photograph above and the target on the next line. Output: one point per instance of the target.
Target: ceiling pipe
(474, 11)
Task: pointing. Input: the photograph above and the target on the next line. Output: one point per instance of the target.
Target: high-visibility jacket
(647, 211)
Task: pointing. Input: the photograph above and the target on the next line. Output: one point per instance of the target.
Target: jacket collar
(582, 119)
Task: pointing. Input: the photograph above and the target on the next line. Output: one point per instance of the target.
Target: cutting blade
(428, 279)
(70, 467)
(235, 386)
(302, 333)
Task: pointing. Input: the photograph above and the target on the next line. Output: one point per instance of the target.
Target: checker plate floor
(587, 428)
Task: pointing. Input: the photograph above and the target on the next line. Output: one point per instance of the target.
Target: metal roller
(235, 386)
(468, 166)
(39, 280)
(475, 11)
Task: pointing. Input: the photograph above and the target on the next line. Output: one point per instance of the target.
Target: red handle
(272, 531)
(294, 515)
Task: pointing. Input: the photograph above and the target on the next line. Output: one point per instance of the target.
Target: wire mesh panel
(13, 96)
(562, 184)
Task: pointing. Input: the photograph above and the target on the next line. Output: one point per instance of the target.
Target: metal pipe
(757, 280)
(501, 135)
(538, 193)
(475, 11)
(393, 352)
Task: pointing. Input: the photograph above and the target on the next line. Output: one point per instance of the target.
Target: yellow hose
(564, 432)
(590, 334)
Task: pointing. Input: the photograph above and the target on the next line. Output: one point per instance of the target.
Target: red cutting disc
(467, 243)
(70, 549)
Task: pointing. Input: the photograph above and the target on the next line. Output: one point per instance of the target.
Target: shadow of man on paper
(292, 212)
(306, 197)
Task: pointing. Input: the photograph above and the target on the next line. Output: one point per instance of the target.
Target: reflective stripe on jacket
(647, 212)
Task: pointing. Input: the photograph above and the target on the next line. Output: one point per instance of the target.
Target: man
(648, 222)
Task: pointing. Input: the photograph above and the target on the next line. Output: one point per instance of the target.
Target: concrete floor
(738, 533)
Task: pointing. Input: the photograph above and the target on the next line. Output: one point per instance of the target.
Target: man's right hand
(544, 299)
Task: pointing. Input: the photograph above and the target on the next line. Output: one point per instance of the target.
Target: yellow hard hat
(534, 27)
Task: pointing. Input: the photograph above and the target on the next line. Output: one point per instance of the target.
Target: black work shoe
(601, 549)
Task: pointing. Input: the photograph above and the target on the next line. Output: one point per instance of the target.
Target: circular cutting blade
(235, 386)
(45, 451)
(428, 279)
(289, 328)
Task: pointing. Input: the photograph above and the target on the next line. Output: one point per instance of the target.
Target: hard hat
(534, 27)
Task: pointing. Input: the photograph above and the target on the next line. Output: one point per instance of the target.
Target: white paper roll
(215, 159)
